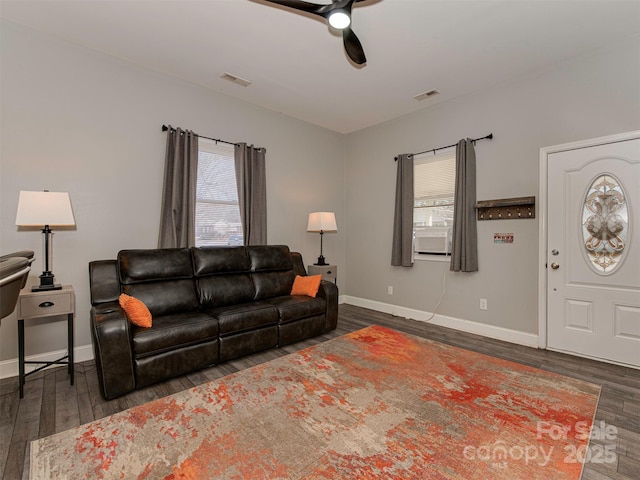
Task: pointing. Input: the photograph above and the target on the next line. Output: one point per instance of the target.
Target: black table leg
(21, 356)
(70, 345)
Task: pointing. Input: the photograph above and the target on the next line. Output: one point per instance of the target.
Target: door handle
(555, 266)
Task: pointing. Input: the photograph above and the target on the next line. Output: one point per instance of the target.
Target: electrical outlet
(483, 304)
(390, 290)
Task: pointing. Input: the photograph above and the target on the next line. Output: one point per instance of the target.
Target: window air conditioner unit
(433, 241)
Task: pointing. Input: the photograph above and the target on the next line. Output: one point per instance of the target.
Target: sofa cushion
(272, 270)
(166, 297)
(293, 308)
(222, 276)
(272, 284)
(246, 343)
(158, 367)
(295, 331)
(154, 264)
(221, 290)
(219, 260)
(170, 332)
(269, 258)
(161, 278)
(234, 319)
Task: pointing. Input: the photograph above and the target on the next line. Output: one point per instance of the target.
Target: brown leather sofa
(209, 304)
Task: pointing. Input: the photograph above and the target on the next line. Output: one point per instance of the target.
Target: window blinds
(435, 176)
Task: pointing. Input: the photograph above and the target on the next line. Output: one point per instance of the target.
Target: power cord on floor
(444, 290)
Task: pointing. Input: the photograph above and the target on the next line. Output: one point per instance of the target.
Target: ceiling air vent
(430, 93)
(236, 80)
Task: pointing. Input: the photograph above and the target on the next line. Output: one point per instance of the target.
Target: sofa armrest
(329, 291)
(111, 336)
(104, 282)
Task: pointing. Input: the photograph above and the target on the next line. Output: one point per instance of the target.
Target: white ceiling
(297, 63)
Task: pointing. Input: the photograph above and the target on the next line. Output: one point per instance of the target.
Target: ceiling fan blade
(324, 10)
(300, 5)
(353, 46)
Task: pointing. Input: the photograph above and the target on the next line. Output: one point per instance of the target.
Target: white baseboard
(491, 331)
(9, 368)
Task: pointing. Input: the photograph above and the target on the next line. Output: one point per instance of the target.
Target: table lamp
(45, 209)
(322, 222)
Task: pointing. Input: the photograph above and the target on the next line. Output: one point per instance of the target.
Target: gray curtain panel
(252, 192)
(464, 248)
(401, 254)
(178, 212)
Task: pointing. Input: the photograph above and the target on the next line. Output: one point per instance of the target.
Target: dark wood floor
(51, 405)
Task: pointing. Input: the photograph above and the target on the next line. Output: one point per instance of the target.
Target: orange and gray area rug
(372, 404)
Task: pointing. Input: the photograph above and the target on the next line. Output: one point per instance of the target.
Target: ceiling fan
(338, 14)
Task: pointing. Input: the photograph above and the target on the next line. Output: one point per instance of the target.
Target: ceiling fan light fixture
(338, 15)
(339, 19)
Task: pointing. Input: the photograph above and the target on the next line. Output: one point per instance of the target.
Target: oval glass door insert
(605, 224)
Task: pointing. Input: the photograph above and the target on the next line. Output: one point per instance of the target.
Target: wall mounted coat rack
(506, 208)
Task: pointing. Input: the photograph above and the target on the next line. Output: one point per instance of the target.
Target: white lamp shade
(36, 209)
(322, 222)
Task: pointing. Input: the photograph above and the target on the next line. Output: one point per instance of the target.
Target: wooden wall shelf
(507, 208)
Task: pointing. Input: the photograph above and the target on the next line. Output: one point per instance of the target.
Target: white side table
(328, 272)
(45, 304)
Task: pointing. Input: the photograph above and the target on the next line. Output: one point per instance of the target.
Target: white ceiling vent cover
(236, 80)
(430, 93)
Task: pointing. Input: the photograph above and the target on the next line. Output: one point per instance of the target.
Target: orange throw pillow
(137, 312)
(308, 285)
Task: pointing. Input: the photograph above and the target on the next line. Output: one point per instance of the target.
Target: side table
(45, 304)
(328, 272)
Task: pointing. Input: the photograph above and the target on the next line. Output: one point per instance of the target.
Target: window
(434, 178)
(217, 208)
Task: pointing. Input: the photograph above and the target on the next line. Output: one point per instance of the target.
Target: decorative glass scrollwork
(605, 224)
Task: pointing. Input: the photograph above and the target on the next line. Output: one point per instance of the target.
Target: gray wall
(587, 97)
(78, 121)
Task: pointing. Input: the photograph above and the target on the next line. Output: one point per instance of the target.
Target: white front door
(593, 251)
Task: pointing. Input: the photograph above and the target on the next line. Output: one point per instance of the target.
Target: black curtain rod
(434, 150)
(165, 128)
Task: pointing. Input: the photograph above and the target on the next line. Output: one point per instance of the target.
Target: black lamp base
(45, 288)
(46, 283)
(321, 261)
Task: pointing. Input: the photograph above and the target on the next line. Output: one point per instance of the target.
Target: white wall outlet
(483, 304)
(390, 290)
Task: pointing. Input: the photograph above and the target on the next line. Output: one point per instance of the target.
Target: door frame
(543, 217)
